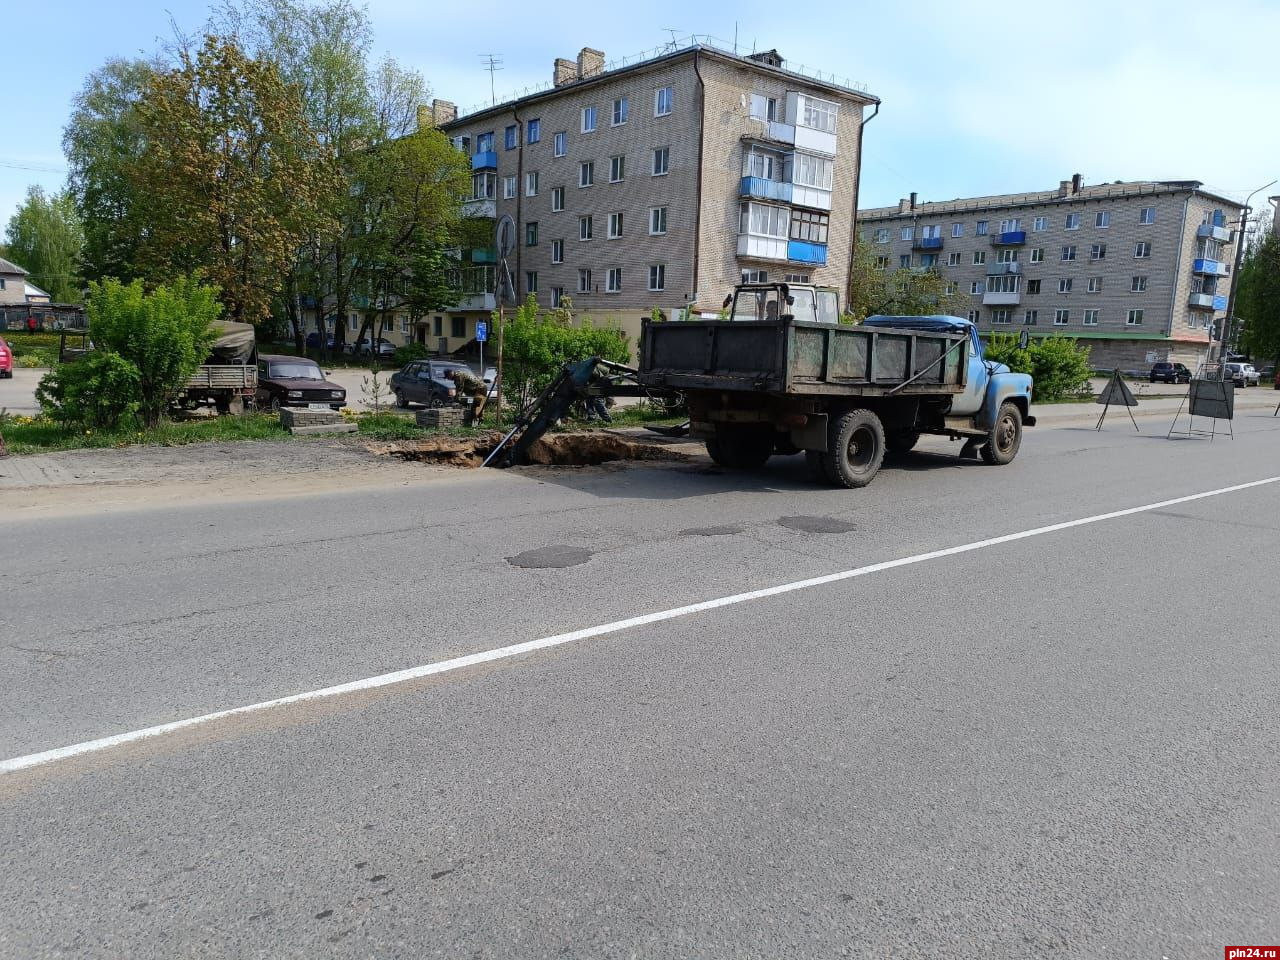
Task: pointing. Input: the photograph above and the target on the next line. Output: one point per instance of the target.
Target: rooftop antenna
(493, 64)
(675, 40)
(735, 38)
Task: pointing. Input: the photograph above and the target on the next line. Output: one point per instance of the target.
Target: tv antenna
(675, 39)
(493, 64)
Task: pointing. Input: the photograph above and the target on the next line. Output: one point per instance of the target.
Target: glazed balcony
(1210, 232)
(1210, 268)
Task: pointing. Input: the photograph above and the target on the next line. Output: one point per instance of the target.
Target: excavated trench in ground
(559, 449)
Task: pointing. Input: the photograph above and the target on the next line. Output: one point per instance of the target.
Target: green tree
(102, 141)
(45, 237)
(901, 291)
(232, 182)
(537, 344)
(165, 334)
(1258, 298)
(1058, 365)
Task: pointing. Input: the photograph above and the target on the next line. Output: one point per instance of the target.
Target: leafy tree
(903, 291)
(100, 391)
(45, 237)
(232, 182)
(1258, 298)
(165, 334)
(102, 140)
(536, 345)
(1058, 365)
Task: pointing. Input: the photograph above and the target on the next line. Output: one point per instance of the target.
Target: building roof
(34, 291)
(7, 266)
(703, 47)
(1097, 191)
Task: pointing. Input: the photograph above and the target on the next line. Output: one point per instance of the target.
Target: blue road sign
(482, 330)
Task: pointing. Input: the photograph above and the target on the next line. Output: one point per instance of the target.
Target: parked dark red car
(295, 382)
(6, 359)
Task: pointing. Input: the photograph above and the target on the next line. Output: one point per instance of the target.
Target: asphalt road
(1060, 745)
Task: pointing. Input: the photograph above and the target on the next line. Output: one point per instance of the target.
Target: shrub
(39, 357)
(101, 390)
(411, 352)
(166, 334)
(1058, 365)
(536, 345)
(1003, 348)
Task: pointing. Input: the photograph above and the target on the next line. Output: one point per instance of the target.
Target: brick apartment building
(661, 183)
(1139, 271)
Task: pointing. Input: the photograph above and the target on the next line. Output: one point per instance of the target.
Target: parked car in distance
(313, 341)
(1166, 372)
(425, 382)
(1242, 374)
(295, 382)
(6, 359)
(364, 348)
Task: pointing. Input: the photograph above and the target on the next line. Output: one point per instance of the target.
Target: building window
(1007, 256)
(662, 102)
(953, 259)
(619, 112)
(584, 228)
(906, 233)
(795, 278)
(882, 263)
(1139, 285)
(928, 259)
(1135, 318)
(561, 144)
(404, 325)
(613, 280)
(1004, 283)
(557, 251)
(1091, 318)
(1010, 226)
(1000, 316)
(1061, 318)
(904, 261)
(438, 327)
(951, 289)
(1068, 253)
(533, 132)
(981, 228)
(1095, 284)
(764, 108)
(811, 227)
(484, 142)
(584, 281)
(459, 326)
(531, 233)
(755, 276)
(810, 171)
(557, 199)
(1031, 318)
(1033, 286)
(661, 161)
(353, 321)
(1098, 251)
(763, 220)
(1142, 250)
(957, 229)
(531, 281)
(818, 115)
(531, 183)
(1037, 255)
(617, 169)
(882, 235)
(975, 316)
(979, 256)
(586, 173)
(588, 119)
(1073, 221)
(1040, 224)
(615, 226)
(1102, 219)
(657, 276)
(657, 221)
(557, 294)
(1064, 285)
(1148, 215)
(977, 286)
(511, 138)
(508, 188)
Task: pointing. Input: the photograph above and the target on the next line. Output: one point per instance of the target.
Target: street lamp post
(1229, 321)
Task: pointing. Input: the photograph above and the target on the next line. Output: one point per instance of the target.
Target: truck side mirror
(1024, 338)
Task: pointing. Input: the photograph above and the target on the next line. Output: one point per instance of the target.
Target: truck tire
(855, 448)
(901, 441)
(741, 446)
(1005, 437)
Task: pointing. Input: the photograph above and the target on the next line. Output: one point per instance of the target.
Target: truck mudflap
(1029, 420)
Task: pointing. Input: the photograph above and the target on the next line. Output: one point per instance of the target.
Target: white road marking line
(516, 649)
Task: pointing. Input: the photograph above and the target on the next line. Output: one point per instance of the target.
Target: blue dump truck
(779, 374)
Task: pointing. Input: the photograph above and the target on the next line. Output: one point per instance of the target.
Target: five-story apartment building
(661, 183)
(1139, 271)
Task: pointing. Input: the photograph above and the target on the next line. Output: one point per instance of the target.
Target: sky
(975, 100)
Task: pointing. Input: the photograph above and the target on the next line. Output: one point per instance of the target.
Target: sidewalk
(1250, 401)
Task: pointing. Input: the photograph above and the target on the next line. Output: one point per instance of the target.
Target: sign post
(505, 241)
(1117, 391)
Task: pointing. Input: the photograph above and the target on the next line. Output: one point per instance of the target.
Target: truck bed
(798, 358)
(231, 376)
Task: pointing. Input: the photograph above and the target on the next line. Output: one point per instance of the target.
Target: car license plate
(317, 406)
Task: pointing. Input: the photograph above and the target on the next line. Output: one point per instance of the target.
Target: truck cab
(785, 301)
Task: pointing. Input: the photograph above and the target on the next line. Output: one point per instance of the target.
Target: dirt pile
(444, 450)
(589, 449)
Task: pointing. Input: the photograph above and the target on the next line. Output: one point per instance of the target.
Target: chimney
(590, 63)
(1064, 188)
(904, 206)
(565, 71)
(441, 112)
(913, 199)
(1077, 183)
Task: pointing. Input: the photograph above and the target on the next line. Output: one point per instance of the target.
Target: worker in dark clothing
(467, 383)
(597, 388)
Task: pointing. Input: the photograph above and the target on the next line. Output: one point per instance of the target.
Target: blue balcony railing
(802, 252)
(764, 189)
(485, 160)
(927, 243)
(1009, 238)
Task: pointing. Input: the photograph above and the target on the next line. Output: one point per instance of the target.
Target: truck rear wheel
(855, 449)
(741, 446)
(1005, 437)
